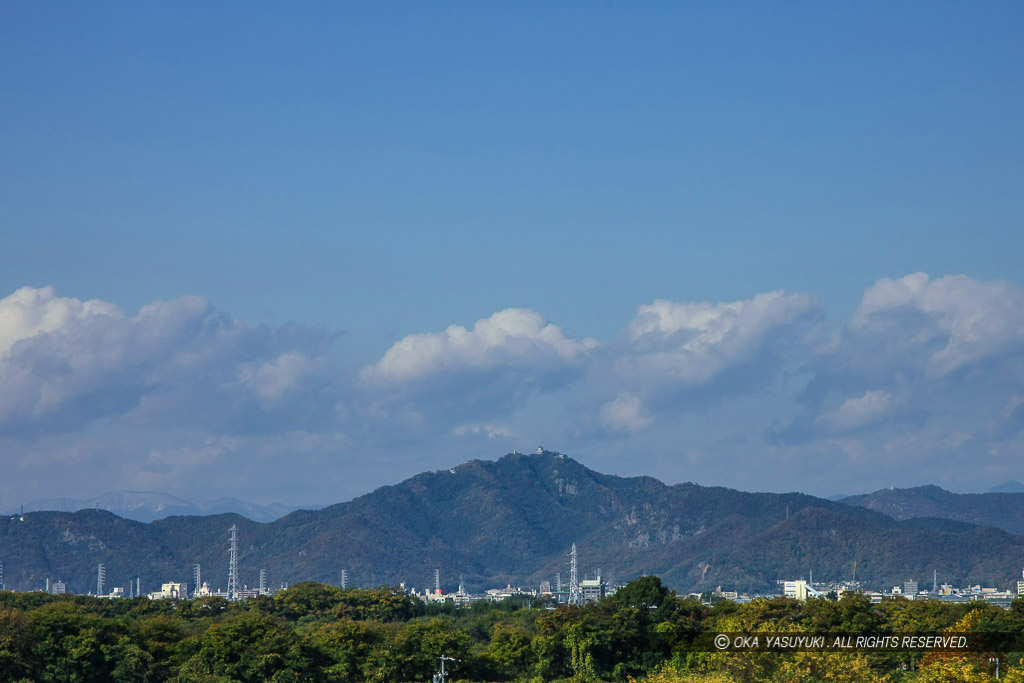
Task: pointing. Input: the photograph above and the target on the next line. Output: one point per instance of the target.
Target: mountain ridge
(1003, 510)
(149, 506)
(512, 520)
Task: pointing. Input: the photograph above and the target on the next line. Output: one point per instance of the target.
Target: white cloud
(272, 380)
(692, 343)
(182, 361)
(922, 364)
(624, 413)
(955, 321)
(926, 370)
(514, 337)
(856, 412)
(30, 311)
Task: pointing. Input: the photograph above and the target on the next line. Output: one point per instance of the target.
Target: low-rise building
(796, 590)
(592, 590)
(170, 591)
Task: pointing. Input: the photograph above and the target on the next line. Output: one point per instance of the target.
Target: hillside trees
(314, 632)
(15, 644)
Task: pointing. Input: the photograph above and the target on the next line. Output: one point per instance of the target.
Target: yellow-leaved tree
(956, 667)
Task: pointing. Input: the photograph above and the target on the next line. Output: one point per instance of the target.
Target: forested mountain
(1002, 510)
(513, 521)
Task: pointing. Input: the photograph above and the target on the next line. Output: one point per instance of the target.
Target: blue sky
(681, 239)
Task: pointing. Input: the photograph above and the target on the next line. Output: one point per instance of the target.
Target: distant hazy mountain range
(513, 521)
(1003, 509)
(1008, 487)
(147, 507)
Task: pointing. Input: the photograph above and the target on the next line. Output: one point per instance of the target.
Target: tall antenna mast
(233, 563)
(574, 579)
(101, 578)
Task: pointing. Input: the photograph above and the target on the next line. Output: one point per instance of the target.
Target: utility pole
(441, 675)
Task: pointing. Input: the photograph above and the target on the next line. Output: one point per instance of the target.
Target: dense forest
(316, 632)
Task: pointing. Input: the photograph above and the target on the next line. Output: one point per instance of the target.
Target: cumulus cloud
(921, 361)
(30, 311)
(925, 371)
(624, 413)
(67, 362)
(926, 336)
(514, 337)
(673, 345)
(431, 383)
(956, 321)
(497, 366)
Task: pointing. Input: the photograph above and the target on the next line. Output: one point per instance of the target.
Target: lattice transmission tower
(575, 597)
(233, 563)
